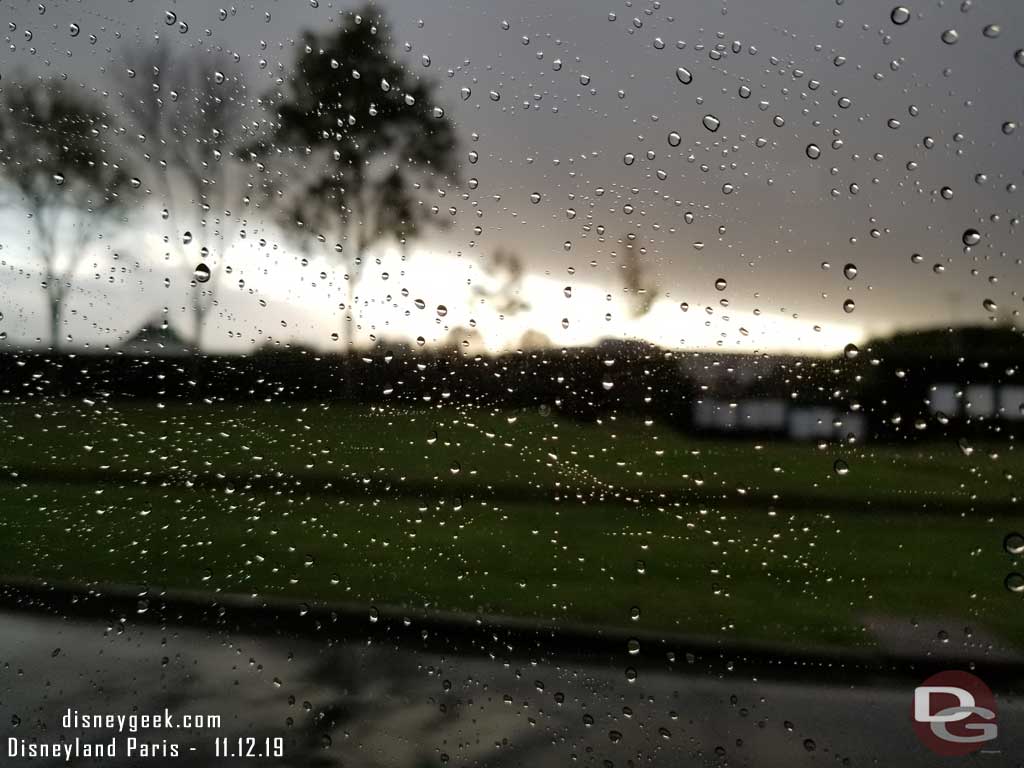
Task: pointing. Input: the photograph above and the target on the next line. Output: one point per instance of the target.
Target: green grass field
(518, 514)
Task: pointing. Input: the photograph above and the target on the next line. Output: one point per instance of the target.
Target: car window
(511, 384)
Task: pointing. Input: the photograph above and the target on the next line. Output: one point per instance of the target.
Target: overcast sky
(775, 224)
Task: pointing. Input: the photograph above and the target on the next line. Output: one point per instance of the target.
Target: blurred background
(694, 321)
(442, 383)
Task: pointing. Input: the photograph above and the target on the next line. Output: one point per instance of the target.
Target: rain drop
(1014, 544)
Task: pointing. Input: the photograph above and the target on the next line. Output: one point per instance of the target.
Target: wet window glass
(551, 383)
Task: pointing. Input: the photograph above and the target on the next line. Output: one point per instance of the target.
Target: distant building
(714, 415)
(1011, 403)
(811, 423)
(773, 416)
(944, 398)
(767, 415)
(155, 339)
(981, 400)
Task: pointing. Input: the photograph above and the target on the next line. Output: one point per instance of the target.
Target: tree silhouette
(54, 153)
(353, 138)
(640, 289)
(505, 267)
(187, 110)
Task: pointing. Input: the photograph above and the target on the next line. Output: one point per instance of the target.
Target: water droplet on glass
(813, 151)
(989, 305)
(721, 284)
(1015, 583)
(674, 139)
(1014, 544)
(711, 122)
(841, 468)
(900, 15)
(971, 237)
(850, 351)
(950, 36)
(849, 305)
(201, 273)
(683, 75)
(850, 271)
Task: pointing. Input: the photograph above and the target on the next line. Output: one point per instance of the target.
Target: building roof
(157, 338)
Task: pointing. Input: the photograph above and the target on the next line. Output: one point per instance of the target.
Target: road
(377, 703)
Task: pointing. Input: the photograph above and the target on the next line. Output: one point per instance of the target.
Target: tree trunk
(348, 322)
(54, 300)
(199, 317)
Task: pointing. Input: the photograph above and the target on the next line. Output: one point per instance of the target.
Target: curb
(496, 637)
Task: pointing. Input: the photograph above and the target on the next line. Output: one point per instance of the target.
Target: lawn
(519, 514)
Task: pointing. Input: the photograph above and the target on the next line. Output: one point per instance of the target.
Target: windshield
(511, 384)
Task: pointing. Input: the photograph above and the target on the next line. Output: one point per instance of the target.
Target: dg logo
(954, 713)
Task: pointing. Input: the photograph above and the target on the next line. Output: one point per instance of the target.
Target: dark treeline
(893, 382)
(582, 382)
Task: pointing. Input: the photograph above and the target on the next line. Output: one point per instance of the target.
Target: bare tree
(187, 110)
(505, 268)
(55, 155)
(640, 288)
